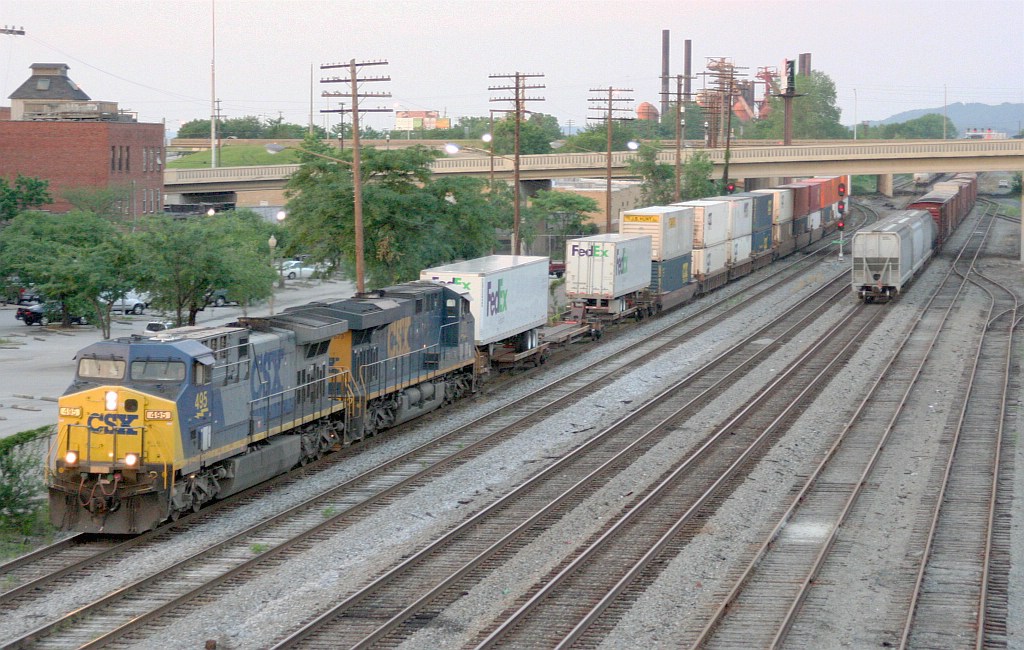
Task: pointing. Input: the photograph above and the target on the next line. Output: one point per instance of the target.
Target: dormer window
(42, 84)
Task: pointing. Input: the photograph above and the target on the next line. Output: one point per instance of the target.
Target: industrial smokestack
(805, 64)
(664, 72)
(686, 70)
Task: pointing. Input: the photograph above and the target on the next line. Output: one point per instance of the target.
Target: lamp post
(272, 243)
(706, 134)
(280, 216)
(357, 194)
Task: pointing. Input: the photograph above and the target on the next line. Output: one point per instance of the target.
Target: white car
(133, 303)
(1003, 183)
(297, 269)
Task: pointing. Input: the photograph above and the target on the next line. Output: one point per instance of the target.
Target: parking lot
(37, 363)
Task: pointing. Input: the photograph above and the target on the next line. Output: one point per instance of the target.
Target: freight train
(156, 426)
(888, 254)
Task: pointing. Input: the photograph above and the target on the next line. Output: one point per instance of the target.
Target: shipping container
(711, 260)
(814, 220)
(799, 226)
(503, 292)
(710, 222)
(782, 203)
(741, 218)
(670, 228)
(761, 241)
(739, 250)
(607, 266)
(670, 275)
(762, 209)
(801, 196)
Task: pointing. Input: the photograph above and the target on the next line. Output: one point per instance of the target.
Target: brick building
(56, 133)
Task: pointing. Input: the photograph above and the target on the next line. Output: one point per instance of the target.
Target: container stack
(671, 232)
(781, 218)
(710, 253)
(761, 218)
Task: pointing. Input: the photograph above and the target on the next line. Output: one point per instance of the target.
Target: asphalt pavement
(37, 363)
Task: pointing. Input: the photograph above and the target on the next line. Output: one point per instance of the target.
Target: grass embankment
(24, 514)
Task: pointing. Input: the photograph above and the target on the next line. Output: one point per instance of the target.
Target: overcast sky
(154, 56)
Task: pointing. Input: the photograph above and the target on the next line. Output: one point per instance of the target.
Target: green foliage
(27, 193)
(248, 127)
(925, 127)
(187, 260)
(815, 114)
(20, 483)
(411, 221)
(696, 182)
(562, 214)
(658, 186)
(105, 202)
(536, 134)
(1015, 182)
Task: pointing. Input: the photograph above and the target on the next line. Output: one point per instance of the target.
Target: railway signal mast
(841, 223)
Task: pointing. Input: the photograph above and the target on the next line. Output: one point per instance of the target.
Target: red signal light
(840, 225)
(842, 189)
(730, 188)
(841, 207)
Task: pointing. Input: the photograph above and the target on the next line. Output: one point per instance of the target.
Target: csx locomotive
(152, 428)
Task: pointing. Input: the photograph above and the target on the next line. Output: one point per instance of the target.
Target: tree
(187, 260)
(410, 220)
(19, 479)
(657, 186)
(536, 133)
(65, 257)
(815, 114)
(27, 193)
(696, 182)
(563, 215)
(932, 127)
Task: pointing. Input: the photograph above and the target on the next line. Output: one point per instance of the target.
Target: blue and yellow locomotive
(152, 428)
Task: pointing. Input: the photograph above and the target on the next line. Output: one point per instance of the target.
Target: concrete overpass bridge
(883, 158)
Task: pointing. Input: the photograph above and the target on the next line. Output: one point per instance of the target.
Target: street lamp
(272, 243)
(211, 212)
(357, 200)
(706, 134)
(280, 216)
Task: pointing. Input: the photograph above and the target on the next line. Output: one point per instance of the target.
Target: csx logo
(112, 423)
(590, 251)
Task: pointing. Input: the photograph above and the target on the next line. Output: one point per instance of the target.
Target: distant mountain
(1005, 117)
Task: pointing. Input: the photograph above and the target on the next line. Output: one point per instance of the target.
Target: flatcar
(152, 428)
(889, 253)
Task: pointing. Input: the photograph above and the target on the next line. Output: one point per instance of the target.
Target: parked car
(45, 313)
(219, 298)
(29, 297)
(135, 303)
(293, 269)
(1003, 183)
(155, 326)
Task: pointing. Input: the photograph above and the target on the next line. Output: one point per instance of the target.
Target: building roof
(49, 81)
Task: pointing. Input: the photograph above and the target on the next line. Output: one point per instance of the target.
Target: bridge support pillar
(885, 184)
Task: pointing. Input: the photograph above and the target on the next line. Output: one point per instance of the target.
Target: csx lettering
(112, 423)
(267, 381)
(590, 251)
(497, 300)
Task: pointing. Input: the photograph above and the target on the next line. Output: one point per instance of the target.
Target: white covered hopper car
(888, 253)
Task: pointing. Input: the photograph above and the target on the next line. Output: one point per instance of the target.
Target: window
(154, 370)
(113, 158)
(101, 368)
(127, 159)
(42, 84)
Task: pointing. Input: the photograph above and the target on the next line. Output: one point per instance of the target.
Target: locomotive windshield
(158, 370)
(91, 368)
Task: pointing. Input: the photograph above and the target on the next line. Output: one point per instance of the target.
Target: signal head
(841, 207)
(730, 188)
(840, 225)
(842, 189)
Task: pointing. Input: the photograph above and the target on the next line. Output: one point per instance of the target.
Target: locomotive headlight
(111, 400)
(130, 460)
(71, 457)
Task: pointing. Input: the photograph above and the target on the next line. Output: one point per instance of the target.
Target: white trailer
(888, 253)
(710, 222)
(605, 273)
(503, 291)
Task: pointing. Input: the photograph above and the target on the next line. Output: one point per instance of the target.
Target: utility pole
(357, 184)
(787, 101)
(682, 98)
(609, 116)
(213, 84)
(519, 100)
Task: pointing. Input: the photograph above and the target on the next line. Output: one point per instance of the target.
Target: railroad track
(367, 491)
(391, 607)
(775, 589)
